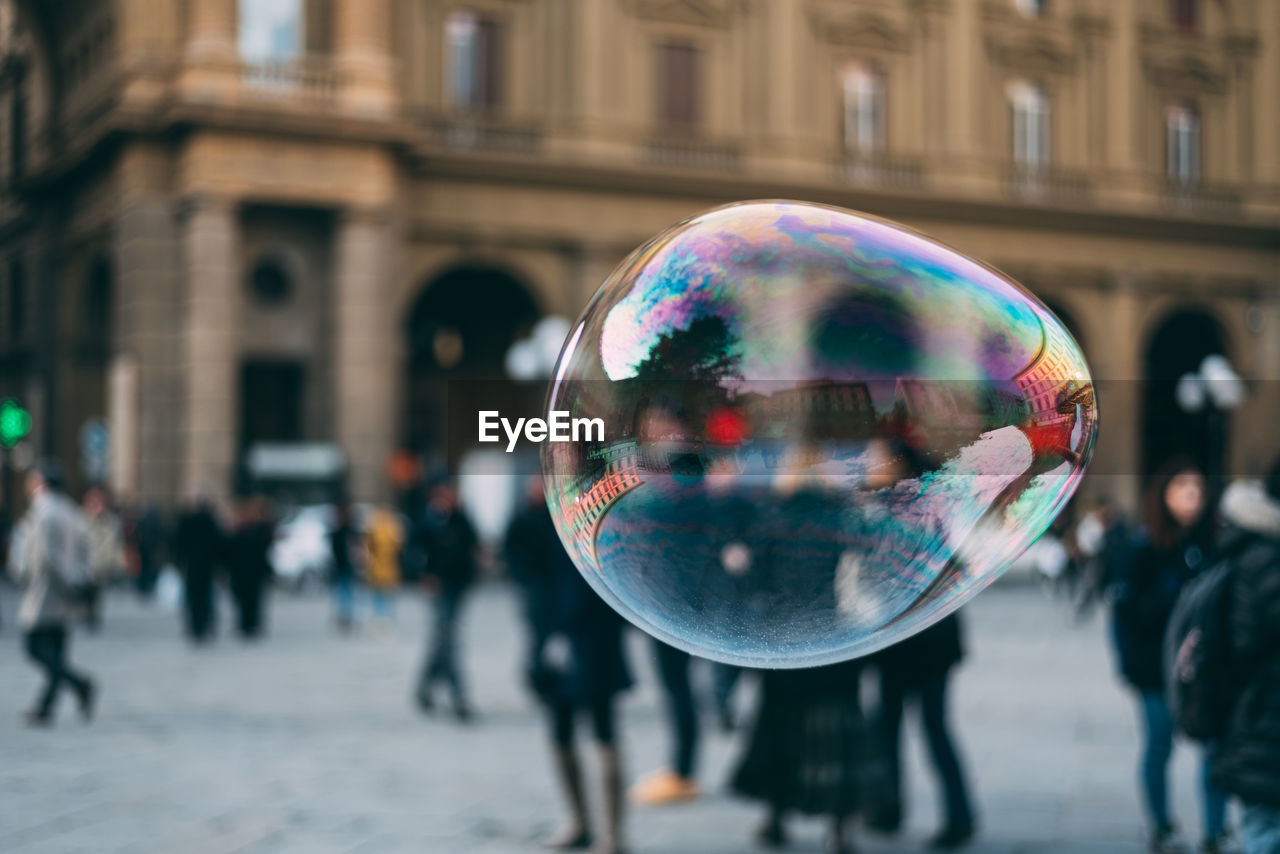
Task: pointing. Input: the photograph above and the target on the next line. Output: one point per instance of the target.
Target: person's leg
(39, 643)
(344, 603)
(673, 669)
(451, 669)
(933, 712)
(1214, 799)
(724, 678)
(1157, 727)
(887, 816)
(605, 722)
(577, 831)
(838, 841)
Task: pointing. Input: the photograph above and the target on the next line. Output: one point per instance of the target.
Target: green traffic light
(15, 423)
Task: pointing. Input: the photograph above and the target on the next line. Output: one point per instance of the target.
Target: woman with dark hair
(1175, 543)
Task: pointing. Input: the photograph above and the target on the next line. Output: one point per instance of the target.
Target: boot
(576, 835)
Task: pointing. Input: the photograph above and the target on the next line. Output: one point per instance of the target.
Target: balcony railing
(1193, 198)
(310, 79)
(1045, 185)
(483, 133)
(693, 153)
(875, 169)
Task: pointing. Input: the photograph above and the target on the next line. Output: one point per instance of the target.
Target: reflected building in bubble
(225, 222)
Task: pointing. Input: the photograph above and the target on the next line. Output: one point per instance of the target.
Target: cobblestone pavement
(307, 742)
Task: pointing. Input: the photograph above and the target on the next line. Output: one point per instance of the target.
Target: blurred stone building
(226, 222)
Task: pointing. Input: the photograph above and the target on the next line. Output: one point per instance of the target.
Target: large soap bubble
(822, 433)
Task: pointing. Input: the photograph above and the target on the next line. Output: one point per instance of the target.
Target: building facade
(230, 221)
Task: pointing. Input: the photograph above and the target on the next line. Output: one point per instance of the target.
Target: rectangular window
(1185, 15)
(271, 30)
(474, 61)
(863, 92)
(1029, 106)
(679, 85)
(1182, 144)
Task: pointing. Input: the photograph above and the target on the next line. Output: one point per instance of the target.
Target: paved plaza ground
(308, 743)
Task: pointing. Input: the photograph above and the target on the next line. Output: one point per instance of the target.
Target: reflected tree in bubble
(823, 432)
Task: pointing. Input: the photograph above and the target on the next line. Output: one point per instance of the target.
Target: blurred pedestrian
(1246, 761)
(809, 751)
(449, 542)
(344, 542)
(250, 565)
(106, 552)
(1103, 539)
(144, 533)
(199, 548)
(1175, 543)
(674, 783)
(384, 539)
(918, 670)
(50, 562)
(528, 556)
(581, 669)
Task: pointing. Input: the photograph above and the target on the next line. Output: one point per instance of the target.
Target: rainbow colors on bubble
(823, 432)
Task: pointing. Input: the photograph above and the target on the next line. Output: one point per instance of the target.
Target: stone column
(212, 267)
(1118, 458)
(363, 47)
(212, 52)
(364, 348)
(144, 401)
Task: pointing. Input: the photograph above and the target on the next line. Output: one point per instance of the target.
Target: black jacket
(1247, 760)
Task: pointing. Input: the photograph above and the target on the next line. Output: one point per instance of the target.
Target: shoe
(952, 836)
(37, 720)
(89, 700)
(664, 787)
(1223, 843)
(426, 703)
(772, 834)
(570, 839)
(1166, 840)
(464, 714)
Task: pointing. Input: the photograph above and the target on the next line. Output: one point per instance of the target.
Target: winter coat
(1247, 759)
(106, 547)
(383, 542)
(1145, 596)
(49, 559)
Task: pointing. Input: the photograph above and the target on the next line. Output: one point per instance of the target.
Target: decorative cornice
(864, 29)
(1039, 53)
(1184, 71)
(700, 13)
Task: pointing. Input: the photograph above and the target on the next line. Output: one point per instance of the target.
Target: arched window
(1182, 143)
(1032, 8)
(862, 86)
(679, 84)
(1030, 123)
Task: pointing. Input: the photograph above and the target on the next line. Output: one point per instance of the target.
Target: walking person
(528, 556)
(1175, 543)
(199, 548)
(918, 670)
(344, 541)
(50, 559)
(809, 751)
(106, 552)
(1246, 761)
(580, 671)
(449, 542)
(384, 539)
(250, 565)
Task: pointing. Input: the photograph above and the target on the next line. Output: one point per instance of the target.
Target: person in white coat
(50, 561)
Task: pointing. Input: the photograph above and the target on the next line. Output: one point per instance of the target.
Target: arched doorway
(1177, 346)
(459, 331)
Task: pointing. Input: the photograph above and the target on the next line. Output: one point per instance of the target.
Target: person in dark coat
(529, 565)
(344, 540)
(250, 565)
(1246, 762)
(1175, 544)
(199, 548)
(918, 669)
(581, 669)
(449, 542)
(808, 751)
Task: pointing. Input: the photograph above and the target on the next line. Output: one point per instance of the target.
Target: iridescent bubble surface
(822, 433)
